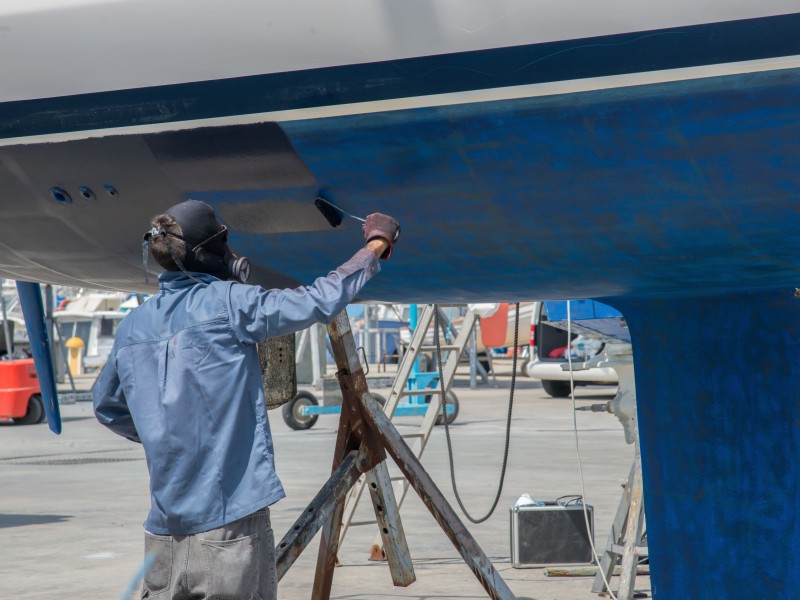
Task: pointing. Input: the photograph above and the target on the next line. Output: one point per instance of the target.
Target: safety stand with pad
(625, 541)
(365, 437)
(417, 440)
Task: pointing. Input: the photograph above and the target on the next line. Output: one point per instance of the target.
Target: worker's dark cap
(198, 223)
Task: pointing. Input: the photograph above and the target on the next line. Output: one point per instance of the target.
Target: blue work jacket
(183, 379)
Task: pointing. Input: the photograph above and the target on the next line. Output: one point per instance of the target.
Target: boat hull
(678, 188)
(654, 166)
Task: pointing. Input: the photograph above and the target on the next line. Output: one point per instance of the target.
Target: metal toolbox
(550, 535)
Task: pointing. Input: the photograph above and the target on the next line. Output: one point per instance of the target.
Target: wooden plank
(588, 571)
(326, 558)
(345, 440)
(319, 511)
(351, 434)
(393, 400)
(387, 515)
(435, 501)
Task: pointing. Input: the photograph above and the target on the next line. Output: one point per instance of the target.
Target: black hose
(445, 418)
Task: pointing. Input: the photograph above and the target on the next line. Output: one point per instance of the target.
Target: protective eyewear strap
(222, 231)
(177, 260)
(146, 248)
(174, 255)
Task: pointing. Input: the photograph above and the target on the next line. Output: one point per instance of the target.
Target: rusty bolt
(797, 292)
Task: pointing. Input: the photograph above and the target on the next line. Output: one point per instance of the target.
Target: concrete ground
(71, 506)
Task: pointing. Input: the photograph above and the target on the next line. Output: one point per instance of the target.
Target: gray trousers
(233, 562)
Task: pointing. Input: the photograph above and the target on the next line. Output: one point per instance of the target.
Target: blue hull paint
(676, 201)
(719, 422)
(677, 189)
(683, 200)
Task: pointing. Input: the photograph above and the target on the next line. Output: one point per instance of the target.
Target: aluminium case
(550, 535)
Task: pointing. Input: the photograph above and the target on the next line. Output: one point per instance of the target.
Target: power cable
(447, 426)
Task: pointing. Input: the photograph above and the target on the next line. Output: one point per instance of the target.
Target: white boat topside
(53, 48)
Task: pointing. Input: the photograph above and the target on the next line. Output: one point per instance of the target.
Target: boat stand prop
(365, 437)
(626, 540)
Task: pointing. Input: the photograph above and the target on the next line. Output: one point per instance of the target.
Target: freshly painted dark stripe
(678, 47)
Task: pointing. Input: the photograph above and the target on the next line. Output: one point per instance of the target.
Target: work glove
(380, 226)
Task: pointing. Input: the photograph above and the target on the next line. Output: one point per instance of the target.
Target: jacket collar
(175, 280)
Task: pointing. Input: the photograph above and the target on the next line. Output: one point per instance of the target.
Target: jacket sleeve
(257, 314)
(110, 406)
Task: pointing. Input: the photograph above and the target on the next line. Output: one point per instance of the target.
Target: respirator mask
(206, 240)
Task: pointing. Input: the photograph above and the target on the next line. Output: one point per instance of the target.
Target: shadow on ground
(10, 520)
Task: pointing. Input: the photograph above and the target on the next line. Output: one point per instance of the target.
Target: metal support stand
(626, 538)
(365, 437)
(310, 337)
(316, 367)
(473, 360)
(50, 326)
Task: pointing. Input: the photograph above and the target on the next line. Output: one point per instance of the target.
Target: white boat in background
(93, 318)
(17, 338)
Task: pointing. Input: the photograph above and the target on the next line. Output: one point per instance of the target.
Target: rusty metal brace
(365, 437)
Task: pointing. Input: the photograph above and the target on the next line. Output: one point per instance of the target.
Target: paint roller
(332, 213)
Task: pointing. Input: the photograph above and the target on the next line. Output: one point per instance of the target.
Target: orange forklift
(20, 394)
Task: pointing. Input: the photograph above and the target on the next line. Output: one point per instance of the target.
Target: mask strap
(197, 246)
(145, 252)
(177, 260)
(174, 255)
(205, 241)
(146, 249)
